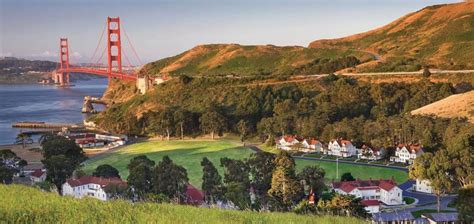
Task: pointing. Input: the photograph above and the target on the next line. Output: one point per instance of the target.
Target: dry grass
(455, 106)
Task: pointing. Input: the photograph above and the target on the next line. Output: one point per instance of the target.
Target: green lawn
(187, 153)
(357, 171)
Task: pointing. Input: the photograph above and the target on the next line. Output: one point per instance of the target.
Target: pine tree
(211, 182)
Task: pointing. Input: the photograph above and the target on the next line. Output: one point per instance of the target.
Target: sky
(163, 28)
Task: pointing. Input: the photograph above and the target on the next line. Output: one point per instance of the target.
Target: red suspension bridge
(114, 58)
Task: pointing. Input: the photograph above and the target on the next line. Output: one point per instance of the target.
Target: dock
(36, 124)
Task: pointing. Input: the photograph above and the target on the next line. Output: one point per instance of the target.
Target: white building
(297, 143)
(38, 175)
(342, 148)
(370, 153)
(288, 142)
(423, 186)
(312, 145)
(407, 153)
(90, 186)
(385, 191)
(371, 206)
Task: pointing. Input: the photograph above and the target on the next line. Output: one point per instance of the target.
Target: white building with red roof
(312, 145)
(407, 153)
(371, 206)
(342, 148)
(293, 142)
(287, 142)
(370, 153)
(38, 175)
(385, 191)
(90, 186)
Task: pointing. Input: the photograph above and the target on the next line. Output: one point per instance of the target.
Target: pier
(36, 124)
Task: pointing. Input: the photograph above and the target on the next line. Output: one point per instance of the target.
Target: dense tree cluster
(10, 164)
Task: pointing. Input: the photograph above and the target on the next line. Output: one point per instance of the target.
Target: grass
(21, 204)
(408, 200)
(187, 153)
(357, 171)
(417, 214)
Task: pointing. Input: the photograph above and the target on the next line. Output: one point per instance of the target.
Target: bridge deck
(98, 72)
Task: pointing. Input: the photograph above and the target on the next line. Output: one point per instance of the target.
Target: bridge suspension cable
(131, 45)
(98, 45)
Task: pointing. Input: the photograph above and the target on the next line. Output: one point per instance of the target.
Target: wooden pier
(36, 124)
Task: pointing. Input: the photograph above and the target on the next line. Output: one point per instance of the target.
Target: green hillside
(20, 204)
(226, 59)
(441, 36)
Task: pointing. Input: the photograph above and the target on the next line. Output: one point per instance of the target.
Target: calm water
(43, 103)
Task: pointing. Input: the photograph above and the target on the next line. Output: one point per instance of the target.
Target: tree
(10, 164)
(435, 169)
(211, 182)
(426, 72)
(313, 179)
(464, 203)
(212, 122)
(243, 129)
(268, 127)
(170, 179)
(106, 171)
(237, 182)
(23, 138)
(166, 121)
(61, 157)
(140, 175)
(261, 166)
(347, 177)
(116, 191)
(285, 188)
(181, 117)
(460, 151)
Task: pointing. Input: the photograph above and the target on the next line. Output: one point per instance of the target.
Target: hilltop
(454, 106)
(441, 36)
(50, 208)
(235, 59)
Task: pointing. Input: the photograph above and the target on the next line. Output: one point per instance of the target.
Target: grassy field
(21, 204)
(357, 171)
(187, 153)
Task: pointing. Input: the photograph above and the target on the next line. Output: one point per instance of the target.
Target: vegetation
(106, 171)
(234, 59)
(408, 200)
(49, 208)
(422, 38)
(61, 156)
(464, 204)
(10, 164)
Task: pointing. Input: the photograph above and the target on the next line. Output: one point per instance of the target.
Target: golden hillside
(441, 36)
(454, 106)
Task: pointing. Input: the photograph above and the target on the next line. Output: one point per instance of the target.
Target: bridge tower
(64, 59)
(114, 46)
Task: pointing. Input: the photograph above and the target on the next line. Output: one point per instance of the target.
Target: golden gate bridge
(113, 70)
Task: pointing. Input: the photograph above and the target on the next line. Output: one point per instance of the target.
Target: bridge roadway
(98, 72)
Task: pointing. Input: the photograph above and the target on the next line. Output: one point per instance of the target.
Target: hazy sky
(157, 29)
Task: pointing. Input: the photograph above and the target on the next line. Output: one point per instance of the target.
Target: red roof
(370, 202)
(103, 182)
(313, 141)
(348, 186)
(194, 195)
(412, 148)
(37, 173)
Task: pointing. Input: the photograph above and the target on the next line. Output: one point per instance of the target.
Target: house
(423, 186)
(90, 186)
(396, 217)
(38, 175)
(371, 206)
(444, 218)
(370, 153)
(287, 142)
(385, 191)
(312, 145)
(407, 153)
(342, 148)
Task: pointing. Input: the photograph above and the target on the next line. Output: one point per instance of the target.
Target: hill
(454, 106)
(226, 59)
(441, 36)
(22, 204)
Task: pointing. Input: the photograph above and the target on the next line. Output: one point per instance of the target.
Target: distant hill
(441, 36)
(454, 106)
(226, 59)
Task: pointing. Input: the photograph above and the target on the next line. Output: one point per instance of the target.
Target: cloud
(44, 54)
